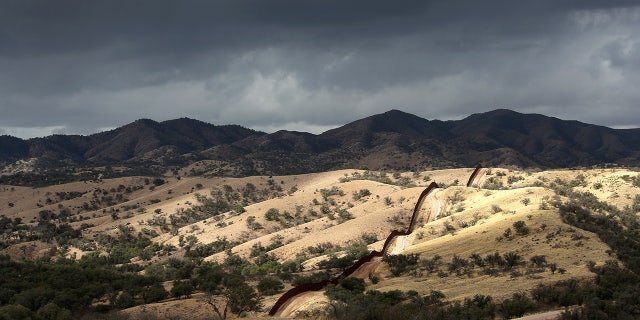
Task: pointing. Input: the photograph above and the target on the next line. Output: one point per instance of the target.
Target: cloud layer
(79, 66)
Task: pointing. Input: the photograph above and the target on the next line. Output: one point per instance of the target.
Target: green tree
(15, 312)
(237, 296)
(125, 300)
(517, 306)
(355, 285)
(51, 311)
(35, 298)
(270, 286)
(272, 214)
(182, 288)
(399, 263)
(154, 293)
(243, 298)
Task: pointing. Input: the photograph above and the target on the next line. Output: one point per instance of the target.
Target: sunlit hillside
(502, 236)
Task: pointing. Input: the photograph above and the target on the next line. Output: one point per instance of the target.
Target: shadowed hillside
(394, 140)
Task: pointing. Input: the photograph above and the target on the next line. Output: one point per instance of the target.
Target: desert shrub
(357, 250)
(400, 263)
(466, 224)
(619, 234)
(361, 194)
(579, 181)
(478, 307)
(493, 183)
(397, 304)
(270, 286)
(516, 306)
(448, 228)
(334, 191)
(635, 181)
(334, 262)
(369, 238)
(320, 248)
(432, 265)
(562, 293)
(355, 285)
(391, 298)
(202, 251)
(506, 234)
(344, 215)
(456, 197)
(477, 260)
(457, 263)
(154, 293)
(272, 214)
(514, 179)
(353, 252)
(538, 261)
(312, 278)
(512, 259)
(635, 206)
(521, 228)
(494, 260)
(252, 224)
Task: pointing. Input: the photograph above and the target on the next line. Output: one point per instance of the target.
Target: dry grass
(471, 211)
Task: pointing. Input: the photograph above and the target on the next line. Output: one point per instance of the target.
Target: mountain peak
(392, 121)
(185, 120)
(396, 113)
(145, 121)
(391, 140)
(496, 113)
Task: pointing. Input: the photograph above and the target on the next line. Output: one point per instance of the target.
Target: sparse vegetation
(361, 194)
(521, 228)
(400, 263)
(128, 247)
(369, 238)
(382, 177)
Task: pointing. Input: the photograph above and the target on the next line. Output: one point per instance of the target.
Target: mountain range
(393, 140)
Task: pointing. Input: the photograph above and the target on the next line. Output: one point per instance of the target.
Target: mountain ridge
(394, 140)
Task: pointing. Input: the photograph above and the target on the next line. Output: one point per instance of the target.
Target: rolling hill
(392, 140)
(166, 219)
(291, 227)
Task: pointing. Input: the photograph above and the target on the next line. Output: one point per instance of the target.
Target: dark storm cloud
(80, 66)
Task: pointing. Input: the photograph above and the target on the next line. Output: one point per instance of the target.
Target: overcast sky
(79, 67)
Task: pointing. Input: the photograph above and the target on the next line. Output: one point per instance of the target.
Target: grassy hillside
(200, 242)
